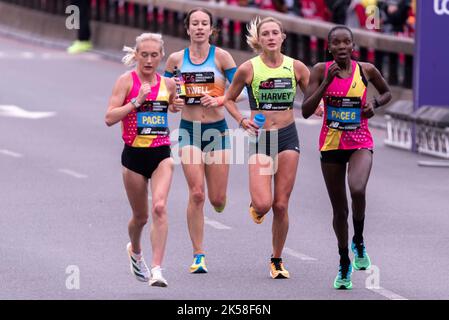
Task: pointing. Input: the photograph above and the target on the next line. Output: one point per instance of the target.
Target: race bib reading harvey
(198, 84)
(152, 118)
(343, 113)
(276, 94)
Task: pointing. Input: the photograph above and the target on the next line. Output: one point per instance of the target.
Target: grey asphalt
(50, 220)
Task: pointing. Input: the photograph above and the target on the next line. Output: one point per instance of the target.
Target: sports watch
(135, 103)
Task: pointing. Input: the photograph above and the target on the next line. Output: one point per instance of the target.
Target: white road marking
(386, 293)
(216, 224)
(17, 112)
(27, 55)
(10, 153)
(298, 255)
(73, 173)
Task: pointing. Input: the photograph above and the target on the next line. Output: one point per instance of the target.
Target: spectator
(411, 19)
(395, 13)
(338, 9)
(314, 9)
(357, 15)
(82, 43)
(275, 5)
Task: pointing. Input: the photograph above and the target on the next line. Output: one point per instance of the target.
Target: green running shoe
(343, 279)
(361, 258)
(79, 47)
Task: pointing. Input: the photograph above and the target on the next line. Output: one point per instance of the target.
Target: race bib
(276, 94)
(152, 118)
(198, 84)
(343, 113)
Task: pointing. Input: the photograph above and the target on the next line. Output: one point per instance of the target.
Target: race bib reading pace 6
(198, 84)
(343, 113)
(276, 94)
(153, 120)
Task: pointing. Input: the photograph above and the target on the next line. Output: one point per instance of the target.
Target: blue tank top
(200, 79)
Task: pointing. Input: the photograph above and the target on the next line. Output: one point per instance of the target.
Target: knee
(358, 193)
(341, 215)
(159, 210)
(140, 220)
(218, 201)
(280, 208)
(261, 207)
(197, 196)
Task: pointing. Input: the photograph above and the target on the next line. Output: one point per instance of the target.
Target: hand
(145, 89)
(332, 72)
(178, 104)
(250, 126)
(209, 102)
(320, 110)
(368, 110)
(392, 8)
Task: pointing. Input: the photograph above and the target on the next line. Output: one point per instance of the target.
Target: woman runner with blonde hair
(271, 79)
(140, 101)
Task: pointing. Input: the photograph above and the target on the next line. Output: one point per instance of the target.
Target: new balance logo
(334, 124)
(267, 106)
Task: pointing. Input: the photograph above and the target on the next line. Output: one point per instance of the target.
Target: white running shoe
(157, 280)
(138, 267)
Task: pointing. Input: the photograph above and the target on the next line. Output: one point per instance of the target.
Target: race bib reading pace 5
(276, 94)
(152, 118)
(198, 84)
(343, 113)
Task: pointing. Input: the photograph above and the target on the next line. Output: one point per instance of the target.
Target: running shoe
(157, 280)
(79, 47)
(137, 266)
(221, 208)
(256, 218)
(361, 258)
(277, 269)
(199, 264)
(343, 279)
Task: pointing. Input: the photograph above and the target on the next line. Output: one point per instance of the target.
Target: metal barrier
(432, 131)
(399, 125)
(306, 39)
(430, 124)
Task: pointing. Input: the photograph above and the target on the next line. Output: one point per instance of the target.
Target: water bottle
(259, 120)
(180, 85)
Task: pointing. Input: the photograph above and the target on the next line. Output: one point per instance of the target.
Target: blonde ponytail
(252, 39)
(130, 58)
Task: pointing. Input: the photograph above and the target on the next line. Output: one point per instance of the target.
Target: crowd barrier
(306, 39)
(425, 129)
(428, 125)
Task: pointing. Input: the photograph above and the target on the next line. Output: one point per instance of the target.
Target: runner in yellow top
(271, 79)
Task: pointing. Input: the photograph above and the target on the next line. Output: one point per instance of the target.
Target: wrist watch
(135, 103)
